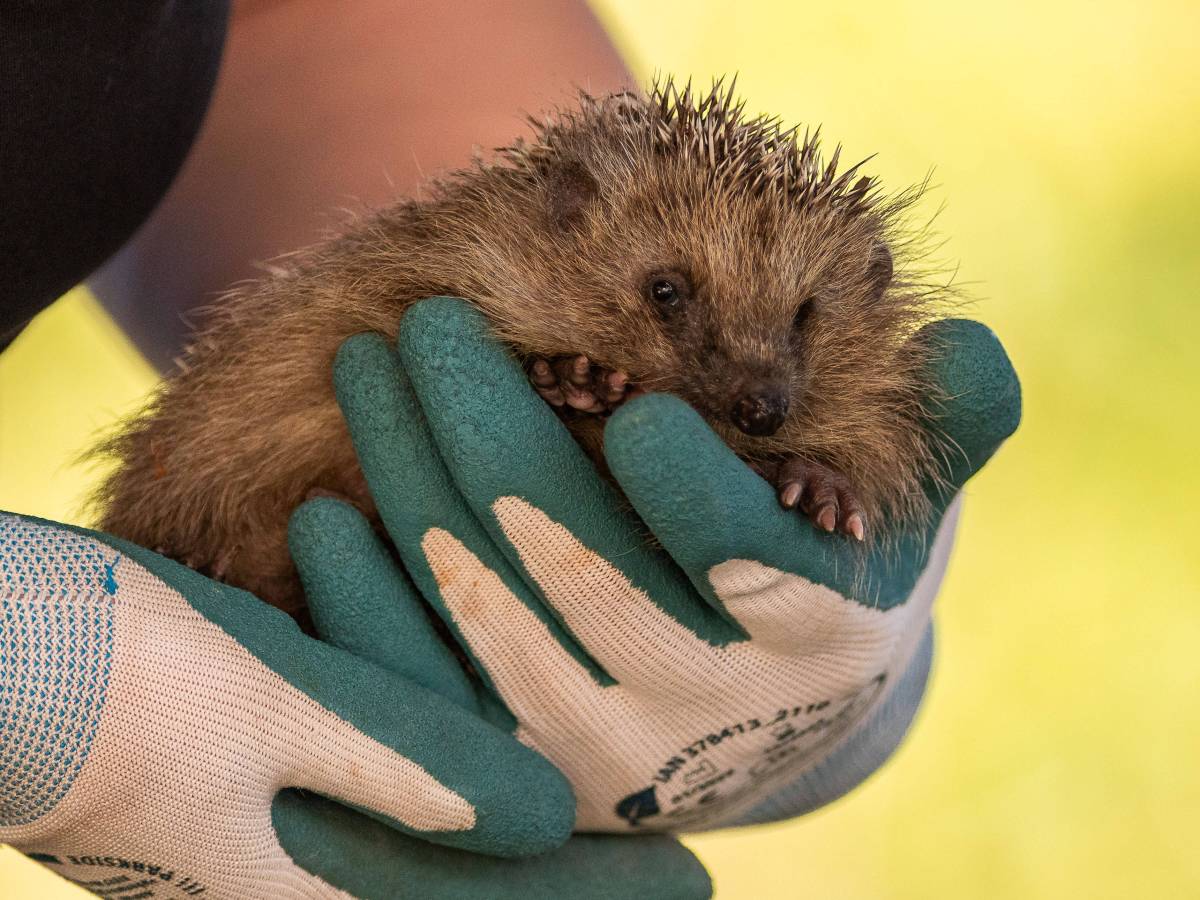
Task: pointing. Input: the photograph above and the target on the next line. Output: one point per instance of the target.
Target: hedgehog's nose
(761, 410)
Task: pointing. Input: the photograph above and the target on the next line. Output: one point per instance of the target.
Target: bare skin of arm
(318, 108)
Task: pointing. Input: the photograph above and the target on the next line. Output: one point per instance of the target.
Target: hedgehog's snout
(760, 409)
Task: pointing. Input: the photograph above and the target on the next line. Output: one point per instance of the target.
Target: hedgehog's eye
(667, 290)
(802, 314)
(664, 291)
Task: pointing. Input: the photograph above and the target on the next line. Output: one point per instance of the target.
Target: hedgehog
(661, 241)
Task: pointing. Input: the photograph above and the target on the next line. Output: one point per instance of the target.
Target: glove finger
(707, 507)
(499, 440)
(976, 398)
(412, 760)
(414, 766)
(361, 601)
(413, 491)
(345, 728)
(368, 860)
(458, 567)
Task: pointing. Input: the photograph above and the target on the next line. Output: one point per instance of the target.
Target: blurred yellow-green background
(1056, 754)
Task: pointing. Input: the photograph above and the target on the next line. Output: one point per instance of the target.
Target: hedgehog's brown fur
(553, 240)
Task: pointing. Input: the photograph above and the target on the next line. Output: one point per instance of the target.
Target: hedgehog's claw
(545, 382)
(826, 497)
(615, 385)
(575, 384)
(575, 371)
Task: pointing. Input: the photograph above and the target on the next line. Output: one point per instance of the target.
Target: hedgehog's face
(741, 308)
(717, 258)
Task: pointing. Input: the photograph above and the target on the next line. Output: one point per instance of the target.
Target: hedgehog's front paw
(825, 496)
(575, 383)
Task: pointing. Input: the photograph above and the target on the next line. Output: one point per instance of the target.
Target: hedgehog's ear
(571, 188)
(879, 269)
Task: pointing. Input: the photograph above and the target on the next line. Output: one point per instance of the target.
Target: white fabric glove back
(148, 717)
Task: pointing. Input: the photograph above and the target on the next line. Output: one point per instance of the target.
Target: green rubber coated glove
(746, 669)
(150, 717)
(347, 570)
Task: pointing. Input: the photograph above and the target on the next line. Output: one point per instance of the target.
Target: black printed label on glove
(719, 766)
(129, 879)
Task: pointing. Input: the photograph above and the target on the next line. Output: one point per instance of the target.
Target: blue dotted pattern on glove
(56, 646)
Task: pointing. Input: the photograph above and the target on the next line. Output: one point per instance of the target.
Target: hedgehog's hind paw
(574, 383)
(825, 496)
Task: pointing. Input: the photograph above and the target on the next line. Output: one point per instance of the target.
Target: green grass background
(1056, 754)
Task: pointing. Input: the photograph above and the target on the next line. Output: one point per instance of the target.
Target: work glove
(168, 736)
(404, 640)
(740, 666)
